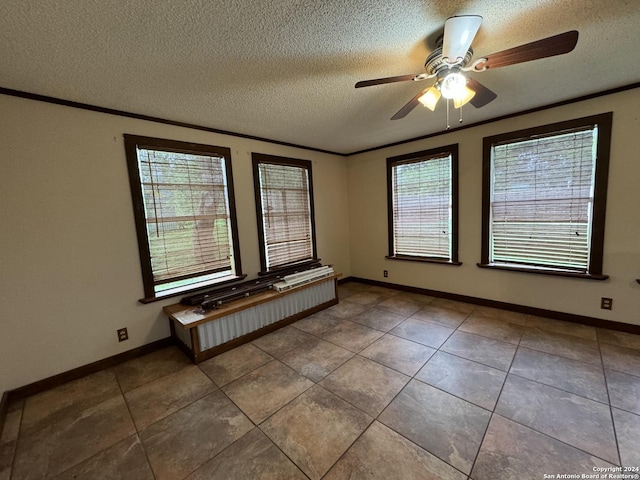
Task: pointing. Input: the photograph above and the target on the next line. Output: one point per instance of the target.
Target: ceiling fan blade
(483, 94)
(547, 47)
(459, 32)
(400, 78)
(413, 103)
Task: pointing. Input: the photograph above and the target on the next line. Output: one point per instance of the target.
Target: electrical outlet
(385, 273)
(123, 334)
(606, 303)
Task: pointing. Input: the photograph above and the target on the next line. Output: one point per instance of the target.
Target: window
(423, 205)
(544, 196)
(284, 205)
(185, 214)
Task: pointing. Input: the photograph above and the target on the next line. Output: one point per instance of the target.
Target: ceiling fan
(451, 59)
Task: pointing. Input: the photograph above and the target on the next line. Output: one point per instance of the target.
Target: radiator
(246, 321)
(205, 334)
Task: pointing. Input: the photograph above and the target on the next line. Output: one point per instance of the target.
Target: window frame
(433, 153)
(262, 158)
(601, 176)
(132, 144)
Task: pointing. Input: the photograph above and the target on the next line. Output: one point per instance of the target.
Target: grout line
(606, 386)
(20, 434)
(137, 433)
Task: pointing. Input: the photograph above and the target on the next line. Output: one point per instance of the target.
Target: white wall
(368, 221)
(69, 265)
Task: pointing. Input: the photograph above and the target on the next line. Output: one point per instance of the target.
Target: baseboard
(540, 312)
(4, 407)
(45, 384)
(346, 279)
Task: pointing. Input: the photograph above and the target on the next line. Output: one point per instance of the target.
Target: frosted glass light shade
(430, 98)
(464, 98)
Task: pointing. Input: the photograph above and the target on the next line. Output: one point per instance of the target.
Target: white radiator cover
(234, 325)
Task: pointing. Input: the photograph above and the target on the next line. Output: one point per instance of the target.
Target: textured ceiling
(285, 69)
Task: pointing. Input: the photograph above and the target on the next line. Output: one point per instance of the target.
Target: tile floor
(384, 385)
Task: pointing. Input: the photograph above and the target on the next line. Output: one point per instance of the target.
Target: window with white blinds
(284, 202)
(423, 205)
(182, 195)
(542, 206)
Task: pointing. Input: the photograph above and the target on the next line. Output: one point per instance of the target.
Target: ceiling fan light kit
(452, 55)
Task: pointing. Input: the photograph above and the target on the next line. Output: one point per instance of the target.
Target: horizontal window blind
(422, 207)
(286, 213)
(186, 208)
(542, 200)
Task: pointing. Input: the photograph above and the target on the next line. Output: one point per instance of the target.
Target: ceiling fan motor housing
(436, 65)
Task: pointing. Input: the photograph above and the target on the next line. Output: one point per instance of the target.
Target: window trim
(451, 150)
(257, 159)
(132, 143)
(601, 177)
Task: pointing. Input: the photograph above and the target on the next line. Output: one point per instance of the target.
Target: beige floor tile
(11, 426)
(440, 315)
(352, 336)
(382, 454)
(511, 451)
(463, 378)
(402, 305)
(573, 376)
(7, 451)
(124, 461)
(627, 428)
(266, 389)
(487, 351)
(316, 429)
(73, 439)
(621, 339)
(426, 333)
(318, 324)
(368, 298)
(444, 425)
(625, 360)
(365, 384)
(454, 305)
(402, 355)
(624, 391)
(565, 328)
(231, 365)
(379, 319)
(282, 341)
(180, 443)
(562, 345)
(317, 359)
(155, 400)
(578, 421)
(68, 400)
(346, 309)
(254, 456)
(492, 328)
(150, 367)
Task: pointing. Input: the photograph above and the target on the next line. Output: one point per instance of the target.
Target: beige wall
(69, 265)
(368, 217)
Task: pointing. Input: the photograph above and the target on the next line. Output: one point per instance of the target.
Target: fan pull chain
(448, 126)
(460, 114)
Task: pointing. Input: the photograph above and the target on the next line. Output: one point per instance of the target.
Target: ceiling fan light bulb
(430, 98)
(453, 85)
(464, 98)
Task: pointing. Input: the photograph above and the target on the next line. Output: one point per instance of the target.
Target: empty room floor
(384, 385)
